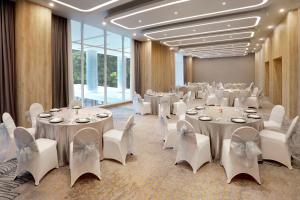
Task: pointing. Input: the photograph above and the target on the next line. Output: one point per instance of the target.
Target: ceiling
(200, 28)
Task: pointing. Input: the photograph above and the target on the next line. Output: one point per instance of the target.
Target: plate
(82, 120)
(102, 115)
(238, 120)
(205, 118)
(191, 112)
(56, 120)
(254, 116)
(76, 107)
(251, 111)
(200, 108)
(54, 110)
(45, 115)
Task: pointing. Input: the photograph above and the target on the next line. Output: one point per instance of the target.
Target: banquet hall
(149, 99)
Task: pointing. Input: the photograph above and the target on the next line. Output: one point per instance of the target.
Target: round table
(64, 132)
(221, 126)
(154, 99)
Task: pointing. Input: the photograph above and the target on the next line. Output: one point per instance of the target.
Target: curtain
(60, 83)
(7, 59)
(137, 68)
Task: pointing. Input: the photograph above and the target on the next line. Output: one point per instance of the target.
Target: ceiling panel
(210, 39)
(87, 6)
(204, 28)
(181, 10)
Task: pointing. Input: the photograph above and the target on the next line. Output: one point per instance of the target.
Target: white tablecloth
(64, 132)
(221, 127)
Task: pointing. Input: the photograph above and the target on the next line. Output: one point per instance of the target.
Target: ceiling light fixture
(270, 27)
(223, 3)
(140, 21)
(51, 4)
(176, 13)
(85, 10)
(104, 23)
(282, 10)
(261, 39)
(148, 34)
(180, 19)
(251, 34)
(134, 34)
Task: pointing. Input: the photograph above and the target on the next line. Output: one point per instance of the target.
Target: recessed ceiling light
(148, 39)
(85, 10)
(51, 4)
(140, 21)
(171, 48)
(261, 39)
(282, 10)
(228, 25)
(134, 34)
(257, 44)
(194, 30)
(270, 27)
(104, 23)
(176, 13)
(223, 3)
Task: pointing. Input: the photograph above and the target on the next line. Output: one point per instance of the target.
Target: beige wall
(33, 57)
(234, 69)
(282, 44)
(188, 69)
(157, 67)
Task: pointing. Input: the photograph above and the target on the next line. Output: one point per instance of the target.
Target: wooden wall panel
(33, 57)
(282, 48)
(157, 68)
(188, 69)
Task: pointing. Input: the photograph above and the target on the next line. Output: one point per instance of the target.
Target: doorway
(277, 87)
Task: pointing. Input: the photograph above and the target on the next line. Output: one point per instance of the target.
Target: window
(179, 69)
(94, 83)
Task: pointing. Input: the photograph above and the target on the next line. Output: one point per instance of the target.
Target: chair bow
(84, 150)
(25, 153)
(245, 150)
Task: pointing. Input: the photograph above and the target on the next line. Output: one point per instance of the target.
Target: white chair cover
(139, 106)
(276, 118)
(192, 147)
(34, 110)
(239, 154)
(84, 154)
(275, 145)
(164, 106)
(8, 146)
(35, 156)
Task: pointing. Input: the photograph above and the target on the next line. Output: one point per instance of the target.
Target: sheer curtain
(60, 89)
(7, 59)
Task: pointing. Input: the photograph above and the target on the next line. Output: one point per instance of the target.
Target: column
(91, 70)
(120, 72)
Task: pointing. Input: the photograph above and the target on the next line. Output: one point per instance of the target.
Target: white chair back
(292, 127)
(128, 135)
(277, 114)
(187, 132)
(149, 91)
(187, 97)
(255, 92)
(9, 124)
(164, 105)
(34, 110)
(244, 144)
(86, 144)
(23, 138)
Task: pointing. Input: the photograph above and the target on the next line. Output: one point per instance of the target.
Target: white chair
(219, 94)
(140, 106)
(35, 156)
(84, 154)
(211, 99)
(168, 130)
(252, 101)
(182, 105)
(164, 105)
(118, 144)
(34, 110)
(274, 144)
(192, 147)
(239, 154)
(276, 118)
(201, 94)
(10, 128)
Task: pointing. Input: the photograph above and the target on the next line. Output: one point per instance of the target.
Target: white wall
(233, 69)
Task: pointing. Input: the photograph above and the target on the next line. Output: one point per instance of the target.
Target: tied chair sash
(26, 153)
(245, 150)
(83, 151)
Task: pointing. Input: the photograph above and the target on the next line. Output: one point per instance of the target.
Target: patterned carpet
(151, 175)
